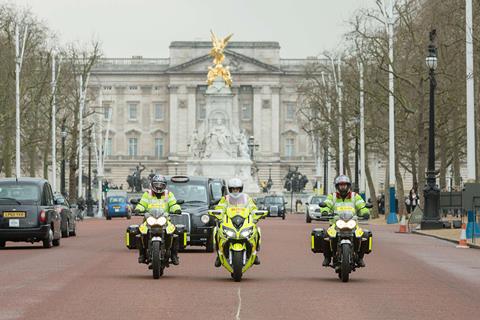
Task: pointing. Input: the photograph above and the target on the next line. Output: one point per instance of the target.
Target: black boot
(361, 263)
(326, 261)
(174, 256)
(217, 262)
(257, 260)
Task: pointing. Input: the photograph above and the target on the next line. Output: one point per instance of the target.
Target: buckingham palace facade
(151, 108)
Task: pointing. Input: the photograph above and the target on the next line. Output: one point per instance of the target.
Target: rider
(159, 197)
(236, 198)
(344, 197)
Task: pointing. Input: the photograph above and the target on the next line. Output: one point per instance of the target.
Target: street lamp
(62, 169)
(356, 188)
(431, 216)
(89, 188)
(252, 146)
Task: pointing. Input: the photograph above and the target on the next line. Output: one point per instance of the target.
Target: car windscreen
(189, 192)
(116, 200)
(20, 193)
(274, 200)
(317, 200)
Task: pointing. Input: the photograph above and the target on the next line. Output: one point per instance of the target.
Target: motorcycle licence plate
(14, 223)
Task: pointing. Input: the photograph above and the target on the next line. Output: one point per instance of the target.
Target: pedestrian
(413, 197)
(408, 204)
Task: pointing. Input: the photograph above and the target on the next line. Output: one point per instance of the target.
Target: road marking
(237, 316)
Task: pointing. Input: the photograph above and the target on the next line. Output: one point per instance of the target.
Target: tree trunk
(443, 161)
(7, 155)
(373, 194)
(422, 139)
(401, 192)
(413, 164)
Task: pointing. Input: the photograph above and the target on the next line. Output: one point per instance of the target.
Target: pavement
(94, 276)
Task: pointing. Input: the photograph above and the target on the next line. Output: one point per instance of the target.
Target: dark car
(199, 195)
(275, 205)
(260, 203)
(62, 206)
(27, 212)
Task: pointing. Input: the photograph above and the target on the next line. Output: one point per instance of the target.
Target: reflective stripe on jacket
(166, 201)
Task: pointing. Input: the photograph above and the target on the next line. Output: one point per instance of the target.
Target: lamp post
(89, 187)
(62, 169)
(270, 181)
(356, 188)
(431, 216)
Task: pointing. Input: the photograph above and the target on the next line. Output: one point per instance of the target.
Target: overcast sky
(146, 27)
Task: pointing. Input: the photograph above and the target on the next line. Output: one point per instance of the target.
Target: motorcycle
(236, 238)
(157, 232)
(346, 238)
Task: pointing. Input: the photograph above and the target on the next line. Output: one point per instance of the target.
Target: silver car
(312, 209)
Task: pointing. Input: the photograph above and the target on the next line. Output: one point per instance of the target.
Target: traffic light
(105, 186)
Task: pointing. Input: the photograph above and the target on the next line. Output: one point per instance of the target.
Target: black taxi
(199, 194)
(27, 212)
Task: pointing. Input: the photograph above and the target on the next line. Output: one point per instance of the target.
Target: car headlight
(151, 221)
(247, 232)
(229, 232)
(161, 221)
(205, 218)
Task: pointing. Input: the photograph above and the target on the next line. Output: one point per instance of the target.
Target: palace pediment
(237, 62)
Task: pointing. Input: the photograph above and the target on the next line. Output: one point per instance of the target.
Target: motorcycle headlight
(151, 221)
(247, 232)
(161, 221)
(205, 218)
(351, 224)
(229, 232)
(341, 224)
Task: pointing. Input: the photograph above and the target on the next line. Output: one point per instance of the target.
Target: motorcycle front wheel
(156, 262)
(237, 265)
(345, 267)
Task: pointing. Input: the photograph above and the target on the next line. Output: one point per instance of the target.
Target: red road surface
(93, 276)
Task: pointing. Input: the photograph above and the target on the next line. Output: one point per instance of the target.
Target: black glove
(178, 211)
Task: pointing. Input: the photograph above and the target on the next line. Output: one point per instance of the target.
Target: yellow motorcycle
(236, 238)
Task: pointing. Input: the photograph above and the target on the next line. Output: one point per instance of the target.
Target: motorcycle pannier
(318, 242)
(366, 246)
(130, 240)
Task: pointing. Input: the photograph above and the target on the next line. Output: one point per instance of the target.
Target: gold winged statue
(218, 46)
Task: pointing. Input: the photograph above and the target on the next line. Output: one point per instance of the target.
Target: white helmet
(235, 183)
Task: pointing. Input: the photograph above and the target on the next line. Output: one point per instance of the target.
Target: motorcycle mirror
(180, 201)
(369, 206)
(215, 213)
(135, 201)
(322, 205)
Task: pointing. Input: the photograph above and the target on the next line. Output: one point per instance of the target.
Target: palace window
(201, 111)
(246, 111)
(132, 146)
(159, 111)
(289, 147)
(132, 111)
(290, 111)
(159, 148)
(109, 147)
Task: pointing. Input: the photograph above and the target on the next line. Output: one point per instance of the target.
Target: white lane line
(237, 316)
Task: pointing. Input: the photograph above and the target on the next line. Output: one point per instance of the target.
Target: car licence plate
(117, 210)
(14, 214)
(14, 223)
